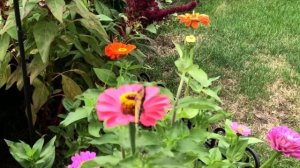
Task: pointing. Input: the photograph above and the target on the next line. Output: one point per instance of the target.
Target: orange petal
(195, 24)
(204, 19)
(187, 22)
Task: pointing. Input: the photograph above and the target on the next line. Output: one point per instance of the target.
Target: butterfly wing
(139, 99)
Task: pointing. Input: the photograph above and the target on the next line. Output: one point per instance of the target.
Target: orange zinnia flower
(194, 19)
(117, 50)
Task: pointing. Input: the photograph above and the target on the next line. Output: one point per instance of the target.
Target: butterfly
(139, 100)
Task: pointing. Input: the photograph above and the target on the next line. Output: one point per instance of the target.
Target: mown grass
(256, 42)
(241, 33)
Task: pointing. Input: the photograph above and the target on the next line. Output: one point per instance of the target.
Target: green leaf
(36, 67)
(105, 139)
(179, 50)
(101, 8)
(16, 76)
(189, 146)
(101, 161)
(196, 87)
(131, 162)
(90, 21)
(199, 135)
(184, 65)
(215, 154)
(212, 94)
(90, 97)
(197, 103)
(151, 28)
(4, 73)
(221, 164)
(87, 56)
(38, 146)
(44, 33)
(27, 7)
(187, 113)
(68, 104)
(47, 154)
(106, 76)
(236, 151)
(162, 161)
(4, 43)
(85, 77)
(104, 18)
(10, 23)
(139, 55)
(252, 140)
(70, 87)
(199, 75)
(94, 128)
(91, 41)
(39, 97)
(147, 139)
(57, 8)
(17, 151)
(217, 117)
(80, 113)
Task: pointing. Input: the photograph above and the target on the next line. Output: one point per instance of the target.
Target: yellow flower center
(190, 39)
(128, 102)
(122, 49)
(240, 129)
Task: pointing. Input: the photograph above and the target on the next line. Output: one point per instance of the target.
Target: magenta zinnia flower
(240, 129)
(285, 140)
(83, 156)
(117, 106)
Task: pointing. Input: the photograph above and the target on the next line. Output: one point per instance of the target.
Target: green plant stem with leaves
(177, 97)
(187, 87)
(270, 161)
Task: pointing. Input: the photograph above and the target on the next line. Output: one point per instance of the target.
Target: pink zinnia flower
(117, 106)
(83, 156)
(240, 129)
(285, 140)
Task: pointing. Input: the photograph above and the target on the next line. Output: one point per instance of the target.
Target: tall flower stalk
(186, 53)
(270, 161)
(179, 90)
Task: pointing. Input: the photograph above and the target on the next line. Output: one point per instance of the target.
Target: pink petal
(103, 107)
(130, 88)
(111, 122)
(150, 92)
(155, 114)
(106, 115)
(157, 101)
(147, 121)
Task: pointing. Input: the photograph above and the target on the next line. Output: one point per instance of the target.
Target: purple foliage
(148, 11)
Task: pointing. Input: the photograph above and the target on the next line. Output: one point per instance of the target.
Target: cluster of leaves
(183, 144)
(35, 157)
(80, 126)
(64, 40)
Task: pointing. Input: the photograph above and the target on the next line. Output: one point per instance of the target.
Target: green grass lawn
(254, 46)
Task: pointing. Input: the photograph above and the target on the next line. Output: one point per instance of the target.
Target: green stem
(112, 66)
(111, 69)
(269, 162)
(132, 133)
(123, 153)
(177, 97)
(187, 87)
(195, 163)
